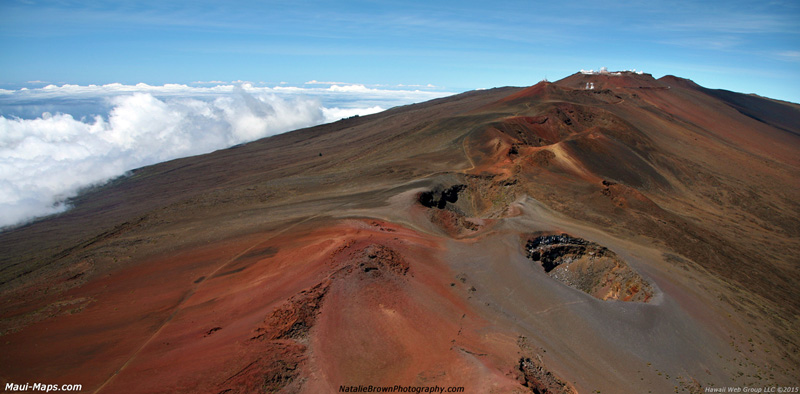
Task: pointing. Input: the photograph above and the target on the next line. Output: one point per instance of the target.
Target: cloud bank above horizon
(57, 140)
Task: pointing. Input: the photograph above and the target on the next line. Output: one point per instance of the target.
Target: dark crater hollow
(589, 267)
(439, 197)
(445, 213)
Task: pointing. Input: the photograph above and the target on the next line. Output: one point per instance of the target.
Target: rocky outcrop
(377, 258)
(533, 373)
(281, 343)
(293, 319)
(539, 380)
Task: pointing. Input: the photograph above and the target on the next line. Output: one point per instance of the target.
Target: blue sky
(92, 89)
(746, 46)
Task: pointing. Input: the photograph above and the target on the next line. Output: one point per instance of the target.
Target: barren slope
(641, 236)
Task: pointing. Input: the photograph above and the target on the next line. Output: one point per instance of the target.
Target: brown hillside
(640, 236)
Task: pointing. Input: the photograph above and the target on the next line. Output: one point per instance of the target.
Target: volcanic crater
(588, 267)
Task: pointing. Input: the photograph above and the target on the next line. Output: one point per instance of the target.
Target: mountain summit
(610, 80)
(608, 232)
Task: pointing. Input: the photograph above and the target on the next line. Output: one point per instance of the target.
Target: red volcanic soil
(372, 303)
(637, 237)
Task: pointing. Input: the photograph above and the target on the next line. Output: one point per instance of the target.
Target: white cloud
(48, 157)
(315, 82)
(350, 88)
(429, 86)
(180, 90)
